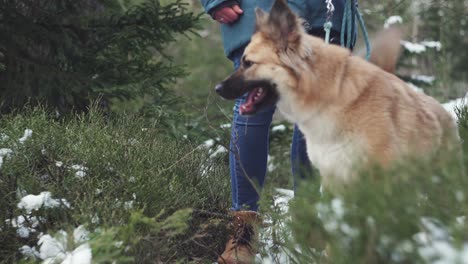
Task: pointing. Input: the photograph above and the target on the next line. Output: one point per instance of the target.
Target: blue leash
(364, 32)
(349, 14)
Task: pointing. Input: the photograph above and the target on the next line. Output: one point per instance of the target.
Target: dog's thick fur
(351, 112)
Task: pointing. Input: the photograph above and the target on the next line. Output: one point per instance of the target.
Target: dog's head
(266, 65)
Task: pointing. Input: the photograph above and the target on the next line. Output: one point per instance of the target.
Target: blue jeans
(249, 152)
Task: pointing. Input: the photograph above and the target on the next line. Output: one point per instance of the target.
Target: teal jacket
(238, 34)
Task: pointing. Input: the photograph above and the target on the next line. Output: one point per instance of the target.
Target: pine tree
(64, 54)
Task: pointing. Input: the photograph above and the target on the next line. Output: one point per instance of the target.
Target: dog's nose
(219, 88)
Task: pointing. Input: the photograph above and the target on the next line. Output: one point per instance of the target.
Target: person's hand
(228, 14)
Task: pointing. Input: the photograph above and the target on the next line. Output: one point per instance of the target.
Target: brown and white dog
(351, 112)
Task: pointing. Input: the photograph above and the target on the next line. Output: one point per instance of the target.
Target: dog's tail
(386, 48)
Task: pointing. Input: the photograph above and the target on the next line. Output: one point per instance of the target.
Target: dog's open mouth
(260, 93)
(254, 98)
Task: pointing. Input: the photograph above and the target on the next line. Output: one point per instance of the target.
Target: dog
(352, 113)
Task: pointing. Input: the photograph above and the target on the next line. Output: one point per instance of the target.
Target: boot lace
(243, 234)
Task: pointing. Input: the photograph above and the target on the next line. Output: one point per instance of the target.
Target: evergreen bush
(65, 54)
(158, 198)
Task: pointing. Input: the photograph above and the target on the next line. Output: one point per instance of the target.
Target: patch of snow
(393, 20)
(34, 202)
(95, 219)
(78, 167)
(464, 253)
(219, 149)
(53, 249)
(460, 196)
(27, 134)
(271, 165)
(442, 251)
(337, 206)
(25, 225)
(59, 164)
(4, 152)
(128, 205)
(435, 245)
(278, 128)
(413, 47)
(208, 143)
(4, 137)
(23, 232)
(349, 231)
(81, 255)
(118, 244)
(204, 33)
(29, 252)
(457, 103)
(80, 174)
(423, 78)
(80, 170)
(225, 126)
(281, 200)
(80, 235)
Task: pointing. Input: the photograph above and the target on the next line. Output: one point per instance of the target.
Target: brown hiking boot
(242, 245)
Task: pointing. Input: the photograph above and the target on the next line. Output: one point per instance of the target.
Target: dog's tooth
(260, 90)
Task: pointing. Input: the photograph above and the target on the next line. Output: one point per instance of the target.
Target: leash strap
(327, 27)
(351, 12)
(328, 24)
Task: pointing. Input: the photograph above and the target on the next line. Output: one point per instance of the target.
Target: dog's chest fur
(332, 151)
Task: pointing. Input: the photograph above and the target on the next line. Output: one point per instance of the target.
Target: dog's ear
(261, 18)
(281, 25)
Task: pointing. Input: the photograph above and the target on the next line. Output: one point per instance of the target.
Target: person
(250, 134)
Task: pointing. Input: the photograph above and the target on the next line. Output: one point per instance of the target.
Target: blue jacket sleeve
(208, 5)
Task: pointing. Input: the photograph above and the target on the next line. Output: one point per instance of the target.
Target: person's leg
(300, 163)
(248, 152)
(248, 156)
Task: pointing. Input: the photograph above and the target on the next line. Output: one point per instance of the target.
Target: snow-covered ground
(452, 105)
(282, 198)
(434, 243)
(54, 248)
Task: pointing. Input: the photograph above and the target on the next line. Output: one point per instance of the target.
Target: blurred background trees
(434, 56)
(64, 54)
(132, 54)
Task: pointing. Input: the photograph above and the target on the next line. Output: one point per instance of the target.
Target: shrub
(66, 54)
(415, 212)
(121, 178)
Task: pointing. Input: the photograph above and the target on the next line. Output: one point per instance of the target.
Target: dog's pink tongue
(249, 105)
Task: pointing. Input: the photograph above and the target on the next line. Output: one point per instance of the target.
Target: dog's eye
(247, 63)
